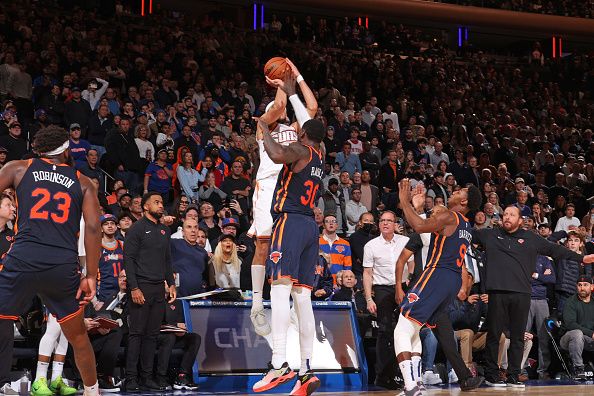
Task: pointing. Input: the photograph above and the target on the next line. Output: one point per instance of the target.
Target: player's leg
(258, 268)
(406, 341)
(76, 332)
(47, 344)
(57, 385)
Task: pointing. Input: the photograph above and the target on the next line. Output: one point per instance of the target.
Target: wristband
(299, 78)
(369, 299)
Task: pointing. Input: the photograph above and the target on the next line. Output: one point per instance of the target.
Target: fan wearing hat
(14, 142)
(225, 264)
(578, 325)
(77, 110)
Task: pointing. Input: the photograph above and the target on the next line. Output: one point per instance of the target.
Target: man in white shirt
(567, 222)
(438, 155)
(379, 258)
(390, 115)
(354, 209)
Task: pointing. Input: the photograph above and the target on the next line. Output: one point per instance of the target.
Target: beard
(156, 215)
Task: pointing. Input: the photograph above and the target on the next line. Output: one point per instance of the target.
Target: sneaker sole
(516, 386)
(310, 387)
(495, 385)
(273, 384)
(184, 387)
(114, 390)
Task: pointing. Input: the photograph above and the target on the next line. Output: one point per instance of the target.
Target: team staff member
(147, 260)
(511, 260)
(379, 256)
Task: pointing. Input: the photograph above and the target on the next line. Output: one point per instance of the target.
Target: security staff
(511, 254)
(147, 260)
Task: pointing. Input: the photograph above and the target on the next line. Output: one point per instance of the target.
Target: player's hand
(371, 307)
(418, 197)
(137, 297)
(276, 83)
(294, 69)
(399, 294)
(404, 190)
(172, 294)
(87, 290)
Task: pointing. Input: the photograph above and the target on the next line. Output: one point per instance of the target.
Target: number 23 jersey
(297, 192)
(49, 208)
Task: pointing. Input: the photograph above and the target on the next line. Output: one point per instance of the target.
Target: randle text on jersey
(53, 177)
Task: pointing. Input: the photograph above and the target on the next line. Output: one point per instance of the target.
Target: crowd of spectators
(571, 8)
(166, 103)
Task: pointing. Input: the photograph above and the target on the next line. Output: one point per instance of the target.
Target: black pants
(189, 342)
(145, 322)
(444, 332)
(507, 310)
(106, 349)
(6, 349)
(385, 362)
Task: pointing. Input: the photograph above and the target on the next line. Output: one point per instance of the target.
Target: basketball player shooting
(43, 259)
(266, 178)
(293, 249)
(440, 281)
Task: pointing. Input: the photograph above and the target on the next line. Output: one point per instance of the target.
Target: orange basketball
(276, 68)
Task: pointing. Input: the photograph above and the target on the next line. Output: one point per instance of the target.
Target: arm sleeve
(557, 236)
(479, 236)
(554, 250)
(131, 256)
(205, 192)
(300, 110)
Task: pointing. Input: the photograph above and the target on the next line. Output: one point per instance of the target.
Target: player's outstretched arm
(310, 100)
(279, 105)
(435, 223)
(9, 173)
(280, 154)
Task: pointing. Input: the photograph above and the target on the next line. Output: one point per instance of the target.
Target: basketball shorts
(294, 249)
(432, 293)
(57, 287)
(262, 202)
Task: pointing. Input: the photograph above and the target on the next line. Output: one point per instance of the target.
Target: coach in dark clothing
(147, 260)
(511, 260)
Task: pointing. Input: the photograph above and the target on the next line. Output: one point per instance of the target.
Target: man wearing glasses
(335, 247)
(379, 256)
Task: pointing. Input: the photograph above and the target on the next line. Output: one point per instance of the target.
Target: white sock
(258, 276)
(57, 369)
(91, 390)
(41, 370)
(281, 307)
(302, 303)
(406, 367)
(416, 362)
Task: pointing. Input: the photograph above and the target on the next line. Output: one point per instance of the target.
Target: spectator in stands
(569, 271)
(78, 147)
(100, 124)
(323, 284)
(237, 186)
(110, 262)
(93, 93)
(521, 200)
(568, 222)
(146, 150)
(77, 110)
(124, 224)
(124, 156)
(389, 174)
(189, 178)
(365, 230)
(189, 260)
(347, 161)
(225, 264)
(338, 249)
(354, 209)
(157, 177)
(209, 223)
(14, 142)
(578, 325)
(333, 202)
(379, 277)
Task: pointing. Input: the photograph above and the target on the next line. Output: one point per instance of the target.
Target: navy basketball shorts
(432, 293)
(294, 249)
(57, 287)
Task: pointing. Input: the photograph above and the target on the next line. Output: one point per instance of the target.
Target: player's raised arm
(288, 86)
(277, 109)
(278, 153)
(434, 223)
(310, 100)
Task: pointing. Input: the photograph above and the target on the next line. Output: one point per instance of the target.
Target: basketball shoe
(274, 377)
(306, 384)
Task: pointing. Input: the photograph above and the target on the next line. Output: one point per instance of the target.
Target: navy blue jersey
(450, 252)
(298, 192)
(111, 263)
(49, 206)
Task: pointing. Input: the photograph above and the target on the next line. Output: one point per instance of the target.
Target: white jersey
(282, 134)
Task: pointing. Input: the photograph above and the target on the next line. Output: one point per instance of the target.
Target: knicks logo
(340, 249)
(162, 232)
(276, 256)
(412, 297)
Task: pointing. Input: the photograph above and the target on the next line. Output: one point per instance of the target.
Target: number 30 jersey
(49, 208)
(298, 192)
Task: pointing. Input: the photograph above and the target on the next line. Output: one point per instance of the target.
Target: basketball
(276, 68)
